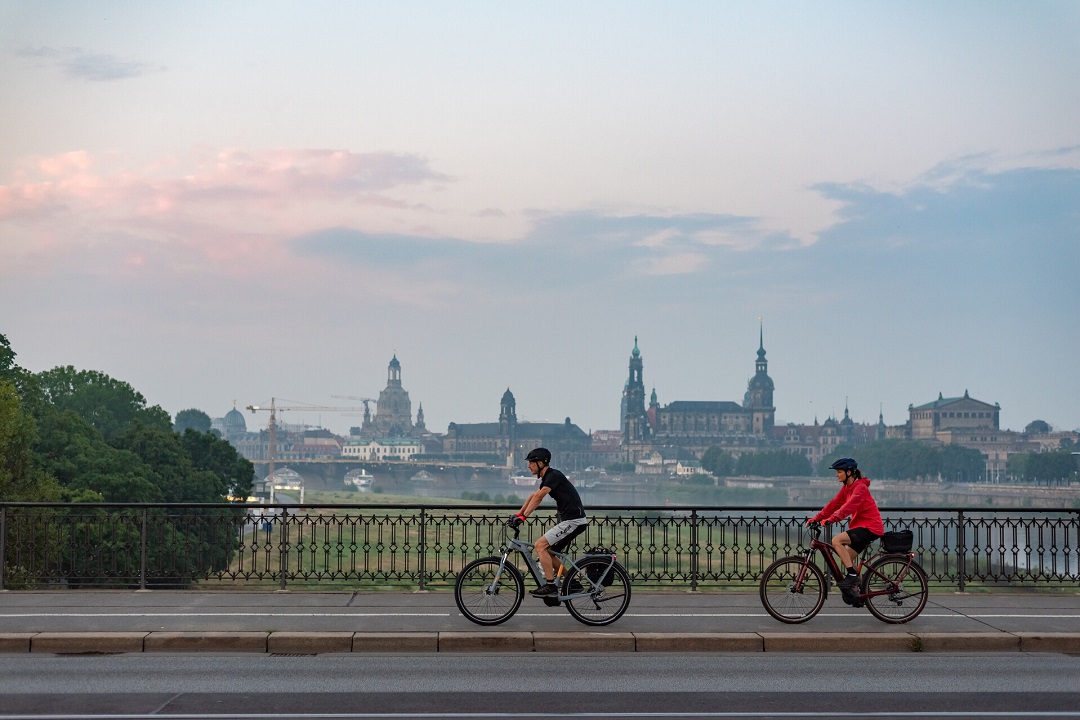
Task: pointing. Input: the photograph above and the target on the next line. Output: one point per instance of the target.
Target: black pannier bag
(594, 569)
(897, 541)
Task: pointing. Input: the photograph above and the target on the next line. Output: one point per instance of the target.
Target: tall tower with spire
(393, 415)
(759, 392)
(635, 422)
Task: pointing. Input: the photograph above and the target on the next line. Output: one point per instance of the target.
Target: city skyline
(228, 203)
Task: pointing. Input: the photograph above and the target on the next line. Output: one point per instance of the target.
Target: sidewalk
(307, 622)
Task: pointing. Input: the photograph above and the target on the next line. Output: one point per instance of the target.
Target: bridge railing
(45, 545)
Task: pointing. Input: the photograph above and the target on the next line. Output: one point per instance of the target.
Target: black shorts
(861, 538)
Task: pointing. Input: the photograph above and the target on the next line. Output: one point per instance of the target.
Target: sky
(224, 203)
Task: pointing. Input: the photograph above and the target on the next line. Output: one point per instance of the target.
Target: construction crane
(272, 426)
(367, 413)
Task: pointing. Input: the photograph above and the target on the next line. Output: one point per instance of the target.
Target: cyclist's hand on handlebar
(515, 522)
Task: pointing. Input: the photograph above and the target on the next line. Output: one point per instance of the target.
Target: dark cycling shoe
(850, 582)
(549, 590)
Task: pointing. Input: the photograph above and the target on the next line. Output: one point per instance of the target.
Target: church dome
(234, 422)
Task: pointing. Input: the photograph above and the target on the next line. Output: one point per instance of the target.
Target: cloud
(226, 205)
(83, 64)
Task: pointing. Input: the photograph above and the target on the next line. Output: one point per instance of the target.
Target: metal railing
(46, 545)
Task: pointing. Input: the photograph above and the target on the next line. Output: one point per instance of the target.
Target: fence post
(142, 552)
(693, 550)
(3, 544)
(961, 547)
(423, 547)
(283, 546)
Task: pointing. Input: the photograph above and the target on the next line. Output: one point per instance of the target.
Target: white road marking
(520, 614)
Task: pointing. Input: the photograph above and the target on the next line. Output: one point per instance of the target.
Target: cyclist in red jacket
(854, 501)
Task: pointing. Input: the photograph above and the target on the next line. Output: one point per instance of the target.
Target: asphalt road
(838, 682)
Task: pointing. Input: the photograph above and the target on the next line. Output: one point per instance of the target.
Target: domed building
(393, 414)
(234, 423)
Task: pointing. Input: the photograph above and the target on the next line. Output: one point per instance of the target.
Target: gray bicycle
(595, 588)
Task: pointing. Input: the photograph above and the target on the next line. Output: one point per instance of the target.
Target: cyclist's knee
(542, 544)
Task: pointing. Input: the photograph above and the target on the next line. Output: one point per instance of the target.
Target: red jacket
(854, 500)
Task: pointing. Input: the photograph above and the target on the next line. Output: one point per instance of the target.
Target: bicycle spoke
(897, 589)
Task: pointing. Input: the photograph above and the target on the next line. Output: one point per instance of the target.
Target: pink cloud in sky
(227, 206)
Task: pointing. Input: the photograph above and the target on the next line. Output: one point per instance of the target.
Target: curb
(312, 643)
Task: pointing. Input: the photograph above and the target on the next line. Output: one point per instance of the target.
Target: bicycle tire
(905, 599)
(484, 601)
(784, 601)
(610, 595)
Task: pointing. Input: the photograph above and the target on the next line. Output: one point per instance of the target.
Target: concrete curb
(311, 643)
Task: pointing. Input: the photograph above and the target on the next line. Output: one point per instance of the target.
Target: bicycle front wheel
(486, 596)
(792, 590)
(894, 599)
(608, 588)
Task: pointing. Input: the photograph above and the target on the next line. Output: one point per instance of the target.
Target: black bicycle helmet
(844, 464)
(542, 455)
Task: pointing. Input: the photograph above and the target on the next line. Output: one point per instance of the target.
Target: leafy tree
(21, 476)
(777, 463)
(718, 461)
(74, 452)
(170, 466)
(192, 419)
(110, 405)
(1043, 467)
(212, 454)
(912, 460)
(961, 464)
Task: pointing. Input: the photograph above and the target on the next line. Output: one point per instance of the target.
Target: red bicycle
(891, 584)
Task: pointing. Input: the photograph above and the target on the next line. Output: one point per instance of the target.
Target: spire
(636, 352)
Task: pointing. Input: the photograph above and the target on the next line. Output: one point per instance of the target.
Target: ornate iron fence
(184, 545)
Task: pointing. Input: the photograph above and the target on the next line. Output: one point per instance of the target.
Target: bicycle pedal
(551, 602)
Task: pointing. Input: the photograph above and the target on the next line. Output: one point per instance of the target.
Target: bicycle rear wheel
(786, 597)
(610, 591)
(900, 599)
(482, 598)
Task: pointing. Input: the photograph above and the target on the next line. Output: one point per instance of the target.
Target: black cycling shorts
(861, 538)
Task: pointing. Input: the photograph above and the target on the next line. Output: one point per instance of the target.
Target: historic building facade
(512, 440)
(393, 413)
(697, 425)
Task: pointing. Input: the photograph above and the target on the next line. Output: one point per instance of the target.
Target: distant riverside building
(510, 440)
(393, 414)
(381, 449)
(657, 439)
(697, 425)
(959, 413)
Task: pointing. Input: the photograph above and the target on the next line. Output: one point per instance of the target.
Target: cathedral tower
(759, 392)
(635, 422)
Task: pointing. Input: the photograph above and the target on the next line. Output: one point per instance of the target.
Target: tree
(777, 463)
(194, 419)
(1043, 467)
(110, 405)
(21, 476)
(212, 454)
(74, 452)
(718, 461)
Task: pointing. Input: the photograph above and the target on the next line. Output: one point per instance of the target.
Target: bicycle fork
(493, 587)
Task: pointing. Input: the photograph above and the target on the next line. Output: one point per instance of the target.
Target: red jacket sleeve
(827, 511)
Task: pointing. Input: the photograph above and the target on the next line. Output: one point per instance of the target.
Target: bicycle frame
(526, 550)
(837, 573)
